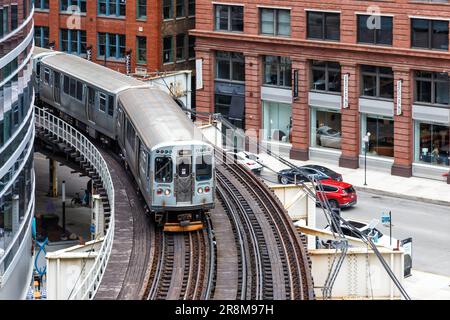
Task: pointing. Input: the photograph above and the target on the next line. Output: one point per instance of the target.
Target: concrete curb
(402, 196)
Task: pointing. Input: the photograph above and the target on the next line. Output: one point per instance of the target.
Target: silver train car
(165, 152)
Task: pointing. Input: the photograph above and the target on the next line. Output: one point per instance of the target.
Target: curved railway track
(274, 257)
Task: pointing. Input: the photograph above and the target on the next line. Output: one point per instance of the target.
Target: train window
(73, 87)
(102, 102)
(203, 167)
(79, 91)
(66, 84)
(46, 75)
(163, 169)
(91, 96)
(184, 168)
(130, 134)
(111, 105)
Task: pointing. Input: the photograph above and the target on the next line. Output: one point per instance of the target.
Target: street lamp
(366, 146)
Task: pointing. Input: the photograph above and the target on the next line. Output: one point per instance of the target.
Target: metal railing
(89, 281)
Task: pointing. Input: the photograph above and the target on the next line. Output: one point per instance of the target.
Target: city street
(427, 224)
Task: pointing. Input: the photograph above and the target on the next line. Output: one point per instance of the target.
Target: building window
(167, 49)
(429, 34)
(191, 47)
(73, 41)
(326, 76)
(230, 107)
(141, 49)
(14, 17)
(111, 7)
(230, 66)
(277, 121)
(275, 22)
(432, 143)
(180, 8)
(72, 6)
(41, 36)
(325, 129)
(369, 32)
(141, 9)
(277, 71)
(431, 87)
(41, 4)
(191, 8)
(112, 45)
(4, 20)
(180, 47)
(377, 82)
(324, 25)
(381, 141)
(229, 18)
(167, 9)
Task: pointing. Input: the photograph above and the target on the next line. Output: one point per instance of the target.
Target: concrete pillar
(54, 17)
(350, 118)
(97, 221)
(300, 111)
(15, 214)
(53, 179)
(403, 125)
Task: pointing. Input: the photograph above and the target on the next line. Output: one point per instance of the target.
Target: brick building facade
(316, 76)
(153, 33)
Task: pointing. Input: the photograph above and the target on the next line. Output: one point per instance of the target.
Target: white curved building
(16, 147)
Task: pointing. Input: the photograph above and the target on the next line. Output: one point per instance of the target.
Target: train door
(120, 125)
(90, 103)
(183, 183)
(57, 87)
(143, 175)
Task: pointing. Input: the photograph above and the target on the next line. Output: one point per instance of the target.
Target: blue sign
(92, 228)
(385, 218)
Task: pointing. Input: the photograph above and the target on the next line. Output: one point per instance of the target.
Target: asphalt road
(427, 224)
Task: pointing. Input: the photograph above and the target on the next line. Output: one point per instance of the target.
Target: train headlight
(167, 192)
(207, 189)
(200, 190)
(159, 191)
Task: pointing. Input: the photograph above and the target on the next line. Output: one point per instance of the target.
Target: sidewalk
(427, 286)
(414, 188)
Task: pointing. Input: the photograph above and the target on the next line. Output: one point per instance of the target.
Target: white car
(247, 159)
(368, 229)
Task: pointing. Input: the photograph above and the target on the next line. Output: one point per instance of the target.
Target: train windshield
(203, 167)
(163, 169)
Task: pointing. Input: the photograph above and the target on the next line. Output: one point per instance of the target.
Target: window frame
(229, 18)
(275, 13)
(375, 31)
(378, 75)
(430, 34)
(433, 82)
(231, 59)
(323, 26)
(279, 65)
(326, 69)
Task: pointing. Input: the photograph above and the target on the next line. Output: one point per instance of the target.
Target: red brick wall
(347, 51)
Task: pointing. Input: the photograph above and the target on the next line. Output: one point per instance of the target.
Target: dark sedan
(322, 172)
(305, 173)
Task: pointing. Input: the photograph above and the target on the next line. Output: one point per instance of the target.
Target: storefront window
(326, 76)
(433, 144)
(325, 129)
(277, 121)
(381, 142)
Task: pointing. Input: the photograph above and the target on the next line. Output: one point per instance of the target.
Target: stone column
(54, 19)
(350, 118)
(253, 104)
(300, 111)
(403, 125)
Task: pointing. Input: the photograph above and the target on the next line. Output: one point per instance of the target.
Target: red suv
(339, 194)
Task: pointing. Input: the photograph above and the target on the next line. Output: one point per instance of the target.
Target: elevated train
(165, 152)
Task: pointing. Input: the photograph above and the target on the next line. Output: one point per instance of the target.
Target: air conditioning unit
(140, 71)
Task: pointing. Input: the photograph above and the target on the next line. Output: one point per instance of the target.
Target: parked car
(251, 156)
(329, 137)
(287, 176)
(243, 158)
(339, 194)
(368, 229)
(323, 172)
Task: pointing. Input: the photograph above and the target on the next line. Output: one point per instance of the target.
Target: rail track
(185, 267)
(273, 262)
